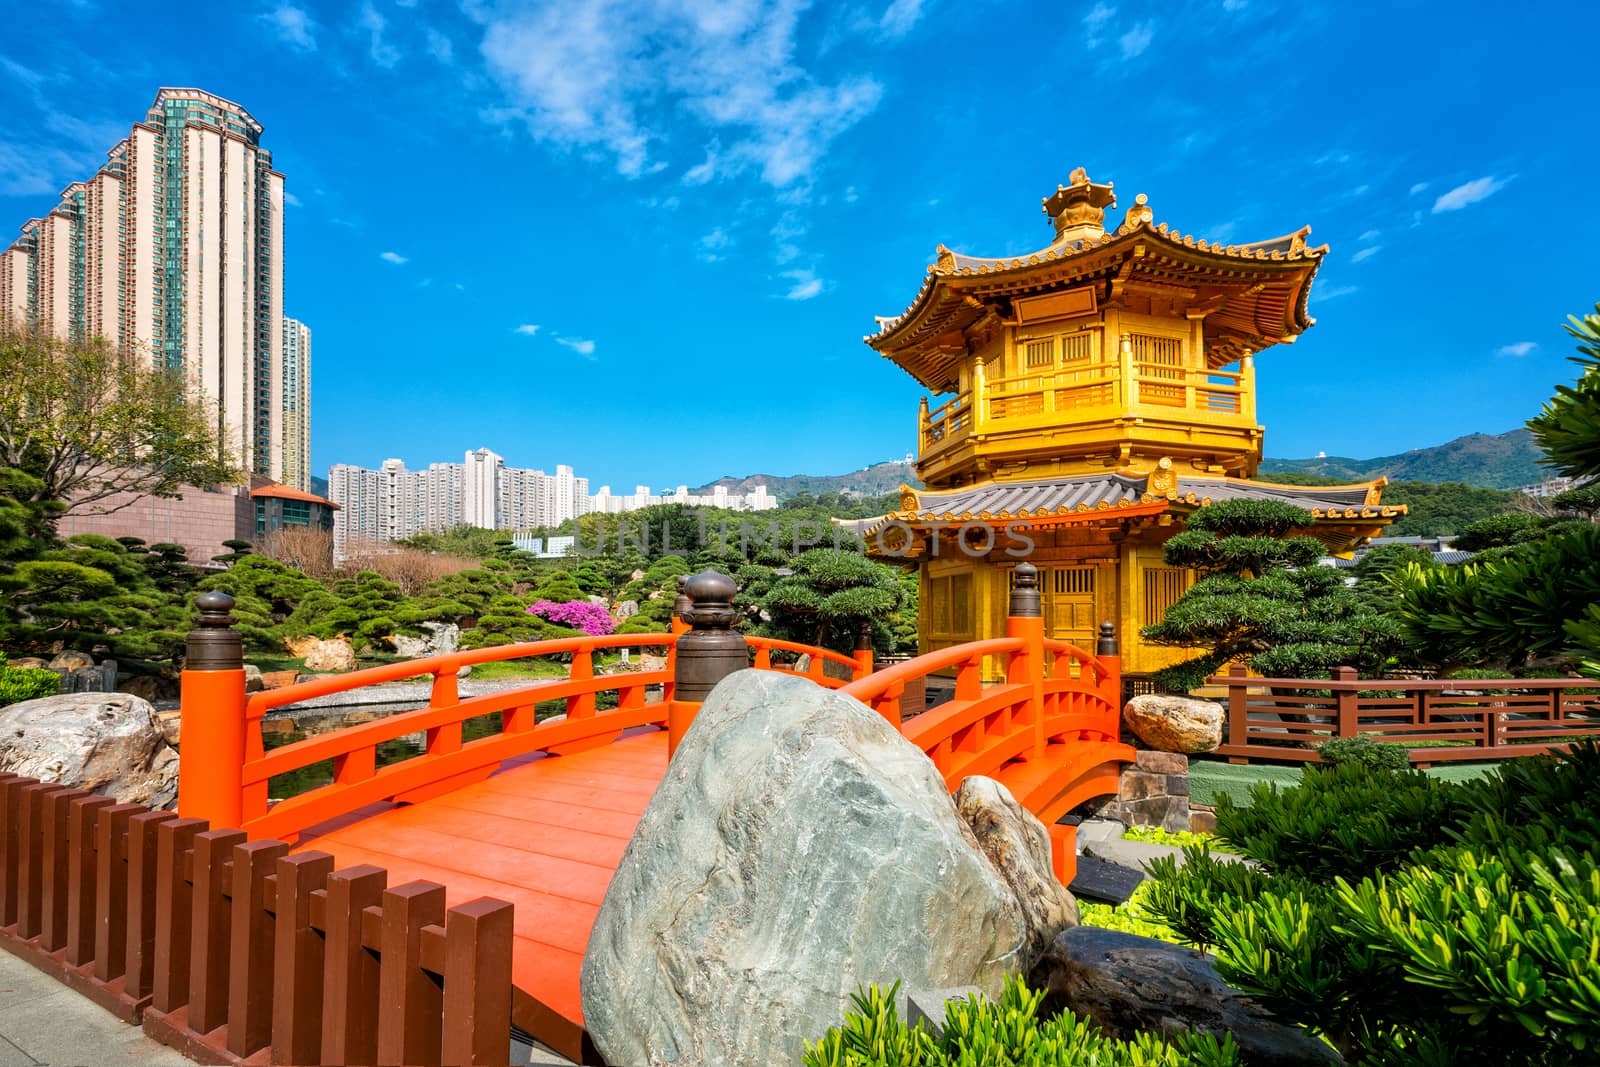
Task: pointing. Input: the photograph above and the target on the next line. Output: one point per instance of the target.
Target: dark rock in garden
(108, 743)
(1126, 984)
(1203, 822)
(1018, 845)
(797, 848)
(1108, 883)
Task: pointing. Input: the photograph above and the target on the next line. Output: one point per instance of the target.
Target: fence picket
(410, 1002)
(251, 946)
(298, 959)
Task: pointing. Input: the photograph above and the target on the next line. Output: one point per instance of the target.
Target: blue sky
(646, 238)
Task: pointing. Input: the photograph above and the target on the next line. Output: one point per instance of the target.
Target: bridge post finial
(1025, 602)
(212, 716)
(1107, 645)
(214, 645)
(710, 650)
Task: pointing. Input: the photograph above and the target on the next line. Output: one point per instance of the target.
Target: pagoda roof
(1120, 492)
(1251, 295)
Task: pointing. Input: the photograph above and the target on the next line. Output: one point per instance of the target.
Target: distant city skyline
(682, 236)
(392, 502)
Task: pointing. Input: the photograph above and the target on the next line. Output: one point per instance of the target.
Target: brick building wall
(200, 520)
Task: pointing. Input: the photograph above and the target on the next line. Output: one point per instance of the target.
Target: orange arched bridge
(538, 813)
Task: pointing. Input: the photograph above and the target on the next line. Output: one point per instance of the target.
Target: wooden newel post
(863, 656)
(707, 653)
(1025, 621)
(1348, 703)
(1238, 709)
(212, 711)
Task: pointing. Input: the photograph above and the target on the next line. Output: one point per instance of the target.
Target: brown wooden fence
(236, 951)
(1481, 719)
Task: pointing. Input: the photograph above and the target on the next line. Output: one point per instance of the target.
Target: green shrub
(1412, 921)
(1007, 1033)
(1347, 820)
(1365, 751)
(26, 683)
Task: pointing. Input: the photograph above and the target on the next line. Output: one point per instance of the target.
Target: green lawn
(1210, 778)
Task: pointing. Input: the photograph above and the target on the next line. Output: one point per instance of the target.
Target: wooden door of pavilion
(1069, 604)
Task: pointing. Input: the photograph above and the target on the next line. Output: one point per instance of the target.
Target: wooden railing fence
(1441, 720)
(235, 951)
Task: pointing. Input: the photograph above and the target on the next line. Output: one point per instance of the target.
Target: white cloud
(901, 17)
(384, 54)
(1420, 187)
(439, 46)
(1366, 253)
(1334, 292)
(294, 27)
(393, 257)
(618, 76)
(806, 284)
(1235, 5)
(1520, 348)
(527, 329)
(290, 199)
(1136, 40)
(703, 172)
(1095, 23)
(580, 345)
(1469, 193)
(1220, 233)
(713, 244)
(1370, 235)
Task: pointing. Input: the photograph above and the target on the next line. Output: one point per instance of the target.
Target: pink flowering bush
(592, 619)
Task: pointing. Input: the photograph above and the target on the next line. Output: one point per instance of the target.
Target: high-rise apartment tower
(174, 248)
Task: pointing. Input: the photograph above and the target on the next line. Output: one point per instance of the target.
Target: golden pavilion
(1099, 391)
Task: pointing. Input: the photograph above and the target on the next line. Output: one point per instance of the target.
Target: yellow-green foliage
(25, 683)
(1155, 835)
(1131, 917)
(1007, 1033)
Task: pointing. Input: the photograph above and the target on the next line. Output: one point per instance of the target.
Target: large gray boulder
(1018, 845)
(108, 743)
(797, 848)
(437, 639)
(1126, 984)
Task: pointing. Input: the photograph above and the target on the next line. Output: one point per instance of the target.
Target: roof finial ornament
(1078, 209)
(1139, 213)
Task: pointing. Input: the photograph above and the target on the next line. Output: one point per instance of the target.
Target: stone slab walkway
(45, 1024)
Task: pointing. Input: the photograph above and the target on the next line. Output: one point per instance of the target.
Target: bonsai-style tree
(830, 593)
(1263, 601)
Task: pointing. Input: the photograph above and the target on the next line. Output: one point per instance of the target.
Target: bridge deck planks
(546, 835)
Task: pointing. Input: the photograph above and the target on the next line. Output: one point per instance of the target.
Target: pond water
(291, 725)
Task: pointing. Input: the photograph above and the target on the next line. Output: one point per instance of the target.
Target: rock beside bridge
(797, 848)
(330, 656)
(1175, 724)
(108, 743)
(1127, 984)
(1018, 845)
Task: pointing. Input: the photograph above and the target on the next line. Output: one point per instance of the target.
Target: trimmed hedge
(27, 683)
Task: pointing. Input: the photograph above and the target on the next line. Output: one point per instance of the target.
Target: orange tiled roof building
(1099, 390)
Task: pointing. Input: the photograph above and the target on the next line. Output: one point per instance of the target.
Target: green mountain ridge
(1492, 461)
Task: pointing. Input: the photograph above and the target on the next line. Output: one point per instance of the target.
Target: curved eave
(1276, 276)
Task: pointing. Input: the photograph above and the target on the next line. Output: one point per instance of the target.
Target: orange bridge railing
(1049, 731)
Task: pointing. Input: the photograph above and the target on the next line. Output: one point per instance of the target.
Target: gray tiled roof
(1015, 497)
